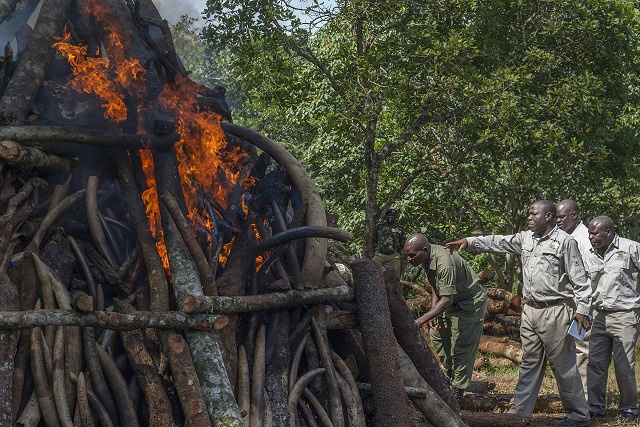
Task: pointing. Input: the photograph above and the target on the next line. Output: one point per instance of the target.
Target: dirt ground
(506, 379)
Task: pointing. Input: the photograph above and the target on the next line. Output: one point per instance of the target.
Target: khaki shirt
(453, 276)
(614, 276)
(552, 267)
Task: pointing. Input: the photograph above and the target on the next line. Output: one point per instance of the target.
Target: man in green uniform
(389, 239)
(458, 305)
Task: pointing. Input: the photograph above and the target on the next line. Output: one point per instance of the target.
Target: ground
(506, 379)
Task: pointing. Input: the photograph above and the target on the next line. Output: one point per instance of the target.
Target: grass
(506, 379)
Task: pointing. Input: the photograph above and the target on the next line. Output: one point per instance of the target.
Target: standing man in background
(554, 278)
(568, 220)
(389, 239)
(615, 262)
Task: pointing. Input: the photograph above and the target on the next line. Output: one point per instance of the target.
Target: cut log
(384, 366)
(110, 320)
(512, 350)
(273, 301)
(444, 416)
(414, 344)
(485, 419)
(16, 101)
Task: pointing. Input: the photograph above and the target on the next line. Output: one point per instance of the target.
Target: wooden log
(481, 386)
(16, 102)
(6, 7)
(205, 346)
(497, 307)
(185, 378)
(493, 402)
(512, 350)
(486, 419)
(206, 275)
(493, 362)
(413, 343)
(96, 138)
(147, 373)
(273, 301)
(22, 157)
(233, 281)
(425, 402)
(110, 320)
(391, 404)
(315, 248)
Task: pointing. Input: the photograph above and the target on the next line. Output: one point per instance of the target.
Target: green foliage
(459, 113)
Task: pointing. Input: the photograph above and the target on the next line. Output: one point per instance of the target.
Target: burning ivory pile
(160, 265)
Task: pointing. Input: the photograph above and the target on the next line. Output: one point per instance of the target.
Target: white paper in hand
(573, 331)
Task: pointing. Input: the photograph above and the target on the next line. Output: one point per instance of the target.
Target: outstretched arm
(460, 245)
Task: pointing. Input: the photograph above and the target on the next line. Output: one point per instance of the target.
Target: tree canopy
(458, 113)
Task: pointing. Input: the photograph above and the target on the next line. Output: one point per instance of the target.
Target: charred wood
(86, 137)
(316, 248)
(23, 86)
(303, 232)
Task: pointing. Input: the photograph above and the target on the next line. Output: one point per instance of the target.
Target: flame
(152, 206)
(207, 167)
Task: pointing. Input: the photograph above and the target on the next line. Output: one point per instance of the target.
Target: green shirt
(452, 275)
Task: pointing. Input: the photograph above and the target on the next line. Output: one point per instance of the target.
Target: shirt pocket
(618, 261)
(549, 262)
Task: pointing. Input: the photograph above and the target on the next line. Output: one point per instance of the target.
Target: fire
(208, 169)
(91, 75)
(152, 207)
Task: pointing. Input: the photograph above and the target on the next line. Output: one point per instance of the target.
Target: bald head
(417, 249)
(567, 216)
(601, 232)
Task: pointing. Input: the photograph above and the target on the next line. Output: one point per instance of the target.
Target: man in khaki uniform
(568, 220)
(554, 278)
(614, 265)
(458, 305)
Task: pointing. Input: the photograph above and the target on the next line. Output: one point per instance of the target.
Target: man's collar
(550, 234)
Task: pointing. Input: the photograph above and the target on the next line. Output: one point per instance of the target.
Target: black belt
(546, 304)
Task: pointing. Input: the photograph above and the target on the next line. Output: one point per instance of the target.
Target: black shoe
(568, 422)
(597, 414)
(628, 416)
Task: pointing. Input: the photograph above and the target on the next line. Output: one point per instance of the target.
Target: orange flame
(205, 165)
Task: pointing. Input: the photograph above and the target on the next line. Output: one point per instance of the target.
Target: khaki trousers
(582, 358)
(458, 338)
(543, 332)
(613, 333)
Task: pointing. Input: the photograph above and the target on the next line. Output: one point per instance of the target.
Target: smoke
(172, 10)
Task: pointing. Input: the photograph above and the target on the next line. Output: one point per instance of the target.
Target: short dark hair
(390, 211)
